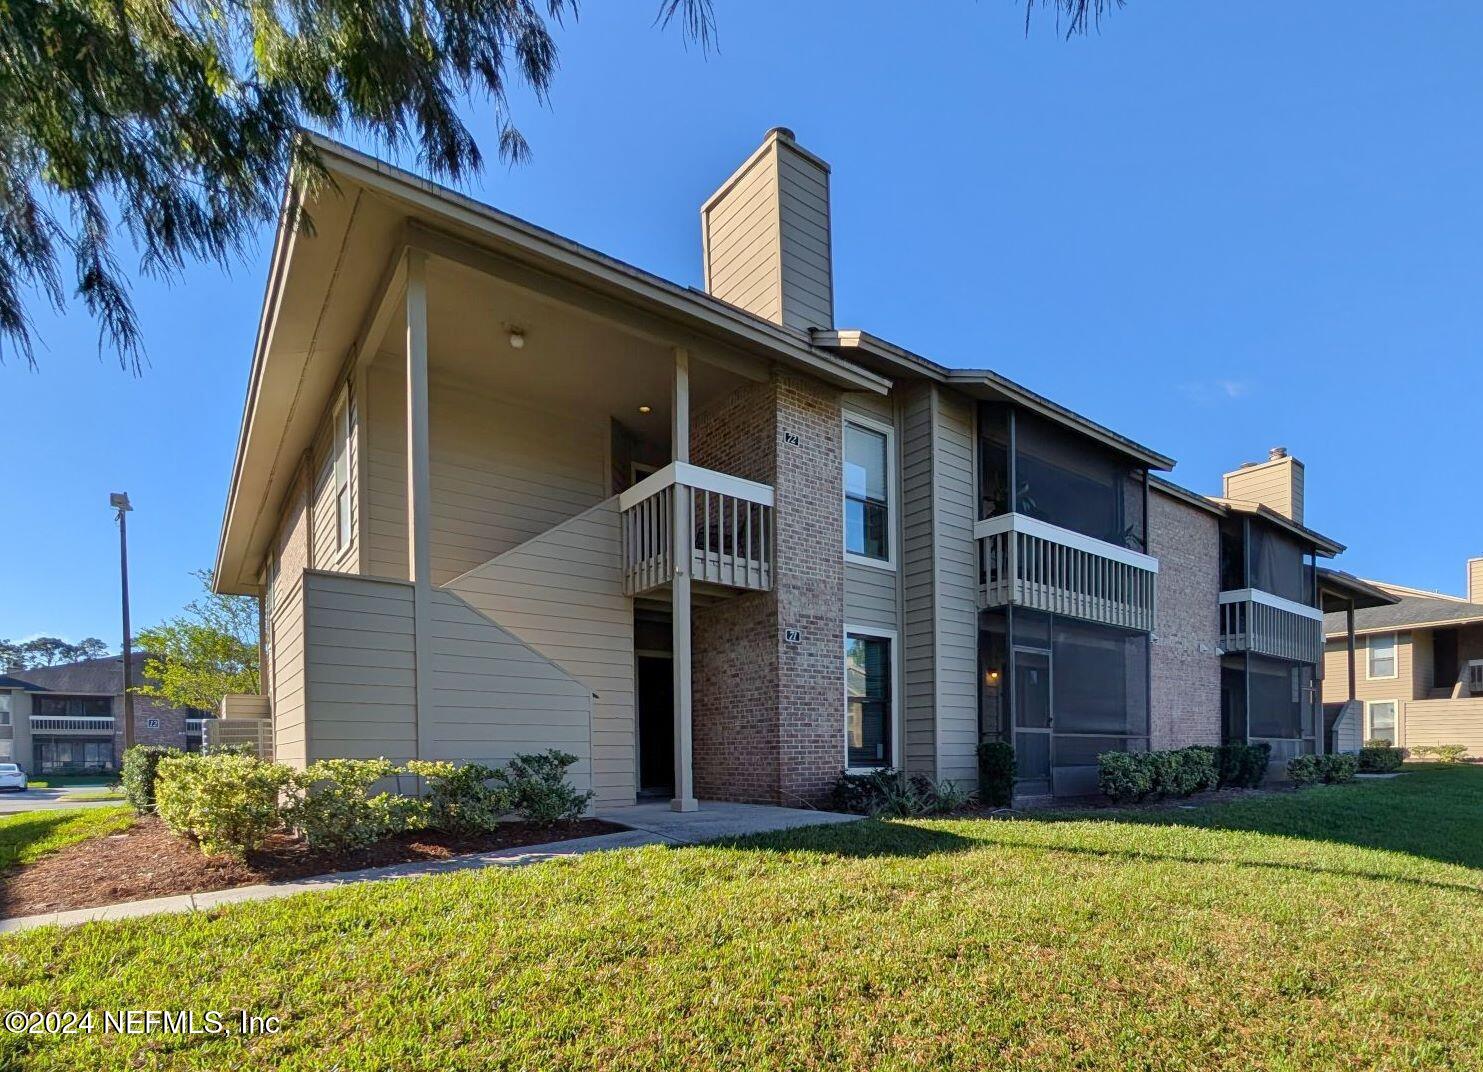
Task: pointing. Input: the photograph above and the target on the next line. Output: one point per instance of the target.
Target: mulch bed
(147, 860)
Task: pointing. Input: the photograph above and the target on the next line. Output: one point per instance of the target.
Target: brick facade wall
(769, 715)
(1186, 669)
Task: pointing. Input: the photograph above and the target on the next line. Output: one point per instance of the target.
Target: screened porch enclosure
(1062, 691)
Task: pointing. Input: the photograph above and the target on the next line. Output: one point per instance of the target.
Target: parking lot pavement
(12, 803)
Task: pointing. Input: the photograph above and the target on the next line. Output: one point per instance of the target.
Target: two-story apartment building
(1419, 676)
(499, 492)
(69, 718)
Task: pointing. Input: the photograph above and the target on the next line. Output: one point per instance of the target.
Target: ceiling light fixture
(517, 339)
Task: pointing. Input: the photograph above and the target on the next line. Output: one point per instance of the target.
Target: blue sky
(1216, 228)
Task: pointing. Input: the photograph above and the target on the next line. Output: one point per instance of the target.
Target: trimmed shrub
(1242, 766)
(1179, 772)
(1126, 777)
(332, 807)
(996, 774)
(1442, 753)
(460, 799)
(1340, 768)
(1380, 758)
(894, 794)
(140, 769)
(228, 802)
(538, 789)
(1305, 770)
(1330, 769)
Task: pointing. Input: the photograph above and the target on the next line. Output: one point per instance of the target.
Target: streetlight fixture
(119, 500)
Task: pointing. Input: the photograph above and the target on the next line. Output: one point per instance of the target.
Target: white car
(12, 777)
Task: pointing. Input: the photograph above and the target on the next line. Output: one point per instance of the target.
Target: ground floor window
(73, 755)
(1381, 715)
(7, 748)
(1062, 691)
(868, 721)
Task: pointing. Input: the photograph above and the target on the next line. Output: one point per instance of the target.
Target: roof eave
(916, 366)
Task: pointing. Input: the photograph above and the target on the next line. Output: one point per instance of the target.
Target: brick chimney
(766, 236)
(1475, 580)
(1276, 483)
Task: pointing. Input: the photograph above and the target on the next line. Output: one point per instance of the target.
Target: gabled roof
(1346, 586)
(321, 279)
(892, 360)
(1409, 612)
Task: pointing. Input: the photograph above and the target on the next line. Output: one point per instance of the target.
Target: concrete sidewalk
(651, 824)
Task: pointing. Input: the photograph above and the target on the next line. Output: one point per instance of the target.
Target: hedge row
(230, 802)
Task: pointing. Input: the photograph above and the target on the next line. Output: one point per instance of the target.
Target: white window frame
(341, 471)
(1369, 727)
(1395, 657)
(897, 759)
(1467, 673)
(872, 424)
(5, 709)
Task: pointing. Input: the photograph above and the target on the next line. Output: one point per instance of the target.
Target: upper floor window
(342, 471)
(4, 709)
(1382, 661)
(867, 491)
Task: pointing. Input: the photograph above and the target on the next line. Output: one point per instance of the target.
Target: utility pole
(119, 500)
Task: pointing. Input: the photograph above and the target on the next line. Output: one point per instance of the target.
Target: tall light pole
(119, 500)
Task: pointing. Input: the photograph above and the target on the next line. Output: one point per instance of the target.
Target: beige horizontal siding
(360, 670)
(1432, 722)
(501, 474)
(562, 593)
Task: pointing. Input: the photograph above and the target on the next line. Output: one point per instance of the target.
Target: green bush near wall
(1379, 757)
(1242, 766)
(1330, 769)
(230, 803)
(1126, 777)
(139, 772)
(996, 774)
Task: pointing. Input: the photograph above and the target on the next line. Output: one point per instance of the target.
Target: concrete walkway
(651, 824)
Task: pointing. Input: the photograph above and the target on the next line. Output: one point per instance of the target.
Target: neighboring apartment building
(68, 719)
(499, 492)
(1419, 667)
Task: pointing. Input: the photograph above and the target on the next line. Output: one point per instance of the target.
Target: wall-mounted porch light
(517, 338)
(646, 409)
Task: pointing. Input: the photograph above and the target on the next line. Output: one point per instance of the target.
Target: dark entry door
(656, 703)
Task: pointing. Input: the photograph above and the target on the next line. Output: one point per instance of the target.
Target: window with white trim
(868, 696)
(1381, 656)
(4, 709)
(867, 492)
(1380, 715)
(342, 471)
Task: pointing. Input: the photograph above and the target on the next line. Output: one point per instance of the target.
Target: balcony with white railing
(1025, 562)
(729, 522)
(82, 724)
(1264, 624)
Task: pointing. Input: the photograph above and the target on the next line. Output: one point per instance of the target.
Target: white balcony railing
(730, 524)
(1264, 624)
(193, 726)
(64, 724)
(1031, 563)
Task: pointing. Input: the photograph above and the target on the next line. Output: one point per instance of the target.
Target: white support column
(419, 507)
(684, 799)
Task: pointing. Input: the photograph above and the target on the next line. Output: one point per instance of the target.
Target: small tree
(209, 650)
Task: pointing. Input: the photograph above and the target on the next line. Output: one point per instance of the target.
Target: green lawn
(65, 781)
(1336, 928)
(31, 834)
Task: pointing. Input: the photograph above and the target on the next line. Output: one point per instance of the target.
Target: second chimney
(766, 236)
(1276, 483)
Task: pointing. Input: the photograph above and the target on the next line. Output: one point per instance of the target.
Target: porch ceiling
(571, 361)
